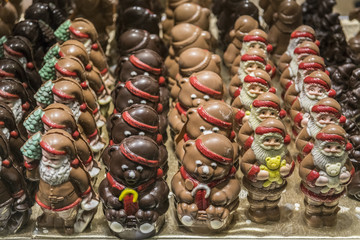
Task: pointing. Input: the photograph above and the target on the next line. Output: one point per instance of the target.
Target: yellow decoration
(273, 166)
(128, 191)
(247, 113)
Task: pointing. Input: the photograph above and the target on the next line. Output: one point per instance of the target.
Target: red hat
(303, 31)
(273, 126)
(329, 105)
(208, 147)
(269, 100)
(136, 124)
(259, 76)
(140, 93)
(202, 80)
(139, 64)
(334, 133)
(322, 79)
(247, 57)
(312, 62)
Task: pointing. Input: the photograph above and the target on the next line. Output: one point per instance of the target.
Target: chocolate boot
(273, 214)
(314, 221)
(257, 215)
(330, 220)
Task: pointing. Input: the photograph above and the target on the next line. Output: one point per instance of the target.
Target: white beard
(312, 128)
(87, 45)
(293, 67)
(246, 100)
(17, 110)
(320, 160)
(75, 108)
(55, 176)
(253, 119)
(305, 102)
(261, 153)
(293, 43)
(6, 132)
(299, 78)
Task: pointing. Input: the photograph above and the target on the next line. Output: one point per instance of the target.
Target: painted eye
(263, 112)
(133, 74)
(206, 97)
(202, 128)
(127, 133)
(146, 74)
(124, 167)
(338, 147)
(215, 129)
(272, 113)
(193, 96)
(276, 140)
(141, 133)
(214, 165)
(130, 101)
(139, 168)
(143, 102)
(198, 163)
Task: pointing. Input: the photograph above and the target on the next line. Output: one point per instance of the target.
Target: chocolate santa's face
(264, 113)
(323, 119)
(125, 99)
(251, 66)
(254, 89)
(332, 149)
(314, 91)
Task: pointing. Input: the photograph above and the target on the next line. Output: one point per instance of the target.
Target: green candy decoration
(52, 53)
(62, 33)
(3, 39)
(44, 95)
(48, 72)
(33, 122)
(32, 148)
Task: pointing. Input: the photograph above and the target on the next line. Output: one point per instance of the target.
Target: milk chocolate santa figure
(199, 88)
(59, 116)
(242, 26)
(66, 91)
(287, 19)
(138, 119)
(324, 112)
(84, 31)
(265, 166)
(214, 116)
(325, 172)
(266, 105)
(65, 192)
(206, 189)
(134, 195)
(8, 17)
(14, 201)
(255, 84)
(289, 74)
(309, 65)
(299, 35)
(316, 87)
(191, 61)
(252, 60)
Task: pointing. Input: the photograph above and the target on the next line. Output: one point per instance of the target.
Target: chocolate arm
(307, 169)
(285, 79)
(291, 95)
(157, 199)
(235, 66)
(107, 197)
(226, 194)
(295, 113)
(14, 180)
(303, 143)
(248, 163)
(244, 133)
(178, 188)
(80, 179)
(284, 61)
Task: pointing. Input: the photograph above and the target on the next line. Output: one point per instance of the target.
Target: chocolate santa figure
(302, 50)
(65, 192)
(255, 84)
(299, 35)
(287, 18)
(100, 13)
(266, 105)
(14, 196)
(11, 131)
(138, 119)
(316, 87)
(8, 17)
(68, 92)
(134, 195)
(266, 165)
(191, 61)
(206, 189)
(252, 60)
(199, 88)
(19, 48)
(309, 65)
(214, 116)
(84, 31)
(242, 26)
(325, 172)
(59, 116)
(324, 112)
